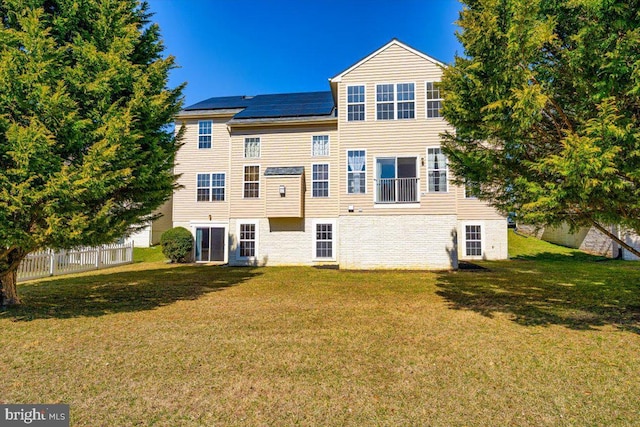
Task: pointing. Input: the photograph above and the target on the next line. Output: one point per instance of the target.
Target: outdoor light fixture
(350, 208)
(283, 191)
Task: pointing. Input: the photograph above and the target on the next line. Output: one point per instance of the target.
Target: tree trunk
(8, 288)
(616, 239)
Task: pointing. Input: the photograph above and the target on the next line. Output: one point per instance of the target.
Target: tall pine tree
(546, 107)
(85, 148)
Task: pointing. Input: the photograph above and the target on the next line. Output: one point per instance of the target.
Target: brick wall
(402, 241)
(369, 242)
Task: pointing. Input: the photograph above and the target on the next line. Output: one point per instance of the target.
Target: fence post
(97, 257)
(52, 262)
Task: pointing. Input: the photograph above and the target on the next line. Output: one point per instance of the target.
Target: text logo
(34, 415)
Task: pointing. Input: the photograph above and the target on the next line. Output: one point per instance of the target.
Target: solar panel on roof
(288, 105)
(272, 106)
(222, 102)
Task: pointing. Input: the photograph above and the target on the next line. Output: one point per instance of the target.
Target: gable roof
(393, 42)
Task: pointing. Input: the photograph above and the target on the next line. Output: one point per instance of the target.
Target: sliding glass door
(210, 243)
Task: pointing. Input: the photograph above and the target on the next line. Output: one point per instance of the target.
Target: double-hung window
(251, 148)
(473, 240)
(395, 101)
(436, 170)
(406, 100)
(205, 133)
(434, 100)
(356, 172)
(320, 181)
(385, 102)
(251, 182)
(325, 232)
(471, 191)
(355, 103)
(320, 145)
(247, 240)
(210, 187)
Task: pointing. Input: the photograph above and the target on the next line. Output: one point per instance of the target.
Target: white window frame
(248, 182)
(211, 187)
(427, 100)
(467, 195)
(446, 169)
(256, 239)
(327, 146)
(253, 139)
(405, 101)
(363, 103)
(482, 239)
(364, 173)
(328, 180)
(392, 102)
(210, 135)
(334, 240)
(395, 101)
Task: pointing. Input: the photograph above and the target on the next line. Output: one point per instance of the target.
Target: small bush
(177, 244)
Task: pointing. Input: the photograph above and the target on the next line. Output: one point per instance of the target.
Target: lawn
(548, 338)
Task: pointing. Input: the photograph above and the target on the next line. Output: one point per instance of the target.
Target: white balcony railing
(396, 190)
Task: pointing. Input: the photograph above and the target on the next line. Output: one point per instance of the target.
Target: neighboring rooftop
(304, 104)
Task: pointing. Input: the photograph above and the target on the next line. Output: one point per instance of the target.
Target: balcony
(396, 190)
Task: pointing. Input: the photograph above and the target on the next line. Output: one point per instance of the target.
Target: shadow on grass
(576, 290)
(107, 293)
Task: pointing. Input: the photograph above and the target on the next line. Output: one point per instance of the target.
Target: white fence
(50, 263)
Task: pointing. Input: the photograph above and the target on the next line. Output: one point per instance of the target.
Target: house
(353, 176)
(150, 235)
(587, 239)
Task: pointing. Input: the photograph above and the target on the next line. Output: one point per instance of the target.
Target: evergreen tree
(85, 148)
(546, 107)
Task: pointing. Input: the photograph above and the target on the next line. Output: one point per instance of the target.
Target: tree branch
(555, 105)
(615, 238)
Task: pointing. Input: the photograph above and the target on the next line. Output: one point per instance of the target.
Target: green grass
(549, 338)
(151, 254)
(521, 246)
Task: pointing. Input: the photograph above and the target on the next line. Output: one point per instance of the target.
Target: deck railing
(396, 190)
(54, 263)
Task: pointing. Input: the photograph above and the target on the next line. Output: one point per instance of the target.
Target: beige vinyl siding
(283, 146)
(191, 161)
(163, 223)
(397, 138)
(291, 204)
(395, 62)
(472, 208)
(392, 138)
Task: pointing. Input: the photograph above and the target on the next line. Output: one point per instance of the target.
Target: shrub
(177, 244)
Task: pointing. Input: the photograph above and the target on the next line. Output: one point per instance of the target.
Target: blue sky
(250, 47)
